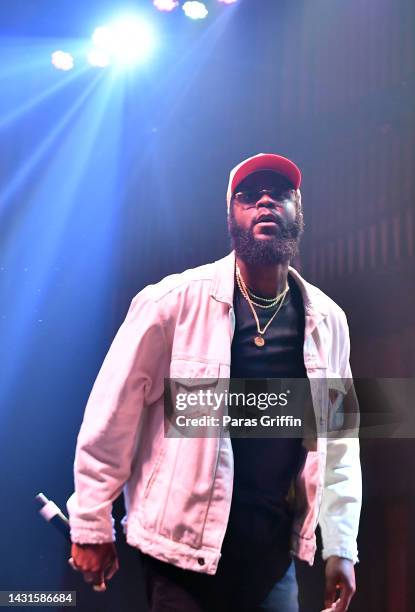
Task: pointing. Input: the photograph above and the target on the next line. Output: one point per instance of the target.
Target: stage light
(102, 37)
(228, 1)
(128, 40)
(195, 10)
(165, 5)
(98, 57)
(62, 60)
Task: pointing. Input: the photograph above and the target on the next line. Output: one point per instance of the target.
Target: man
(218, 520)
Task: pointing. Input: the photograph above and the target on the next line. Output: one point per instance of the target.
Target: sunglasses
(250, 197)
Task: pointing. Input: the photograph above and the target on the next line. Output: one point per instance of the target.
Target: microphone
(53, 514)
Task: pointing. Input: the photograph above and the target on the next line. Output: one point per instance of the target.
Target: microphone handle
(54, 515)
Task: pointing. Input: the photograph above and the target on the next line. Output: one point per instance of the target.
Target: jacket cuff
(340, 551)
(82, 535)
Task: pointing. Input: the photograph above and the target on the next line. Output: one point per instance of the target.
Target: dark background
(110, 182)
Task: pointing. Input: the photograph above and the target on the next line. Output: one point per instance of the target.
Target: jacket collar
(223, 285)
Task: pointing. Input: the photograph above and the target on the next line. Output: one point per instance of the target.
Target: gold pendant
(259, 341)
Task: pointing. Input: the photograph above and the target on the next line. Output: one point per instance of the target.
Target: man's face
(265, 228)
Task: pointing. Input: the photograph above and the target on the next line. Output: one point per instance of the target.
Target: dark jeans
(172, 589)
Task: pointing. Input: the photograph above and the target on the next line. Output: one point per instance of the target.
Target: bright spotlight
(228, 1)
(127, 40)
(165, 5)
(102, 37)
(62, 60)
(98, 57)
(195, 10)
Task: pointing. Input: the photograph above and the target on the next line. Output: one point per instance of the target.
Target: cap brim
(276, 163)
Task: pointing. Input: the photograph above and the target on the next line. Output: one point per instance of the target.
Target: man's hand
(97, 562)
(339, 575)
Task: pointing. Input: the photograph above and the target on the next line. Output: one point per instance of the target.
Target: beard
(281, 248)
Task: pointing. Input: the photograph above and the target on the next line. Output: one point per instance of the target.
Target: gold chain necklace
(244, 289)
(259, 340)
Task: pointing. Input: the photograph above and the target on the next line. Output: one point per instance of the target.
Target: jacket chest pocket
(331, 397)
(342, 407)
(195, 387)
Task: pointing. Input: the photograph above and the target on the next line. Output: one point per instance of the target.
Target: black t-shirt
(258, 532)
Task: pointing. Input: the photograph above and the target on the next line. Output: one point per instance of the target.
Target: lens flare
(165, 5)
(62, 60)
(195, 10)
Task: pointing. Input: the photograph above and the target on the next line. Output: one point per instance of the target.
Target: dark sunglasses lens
(248, 197)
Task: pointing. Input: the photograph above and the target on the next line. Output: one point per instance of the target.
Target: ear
(297, 199)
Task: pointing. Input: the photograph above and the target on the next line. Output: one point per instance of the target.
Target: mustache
(286, 230)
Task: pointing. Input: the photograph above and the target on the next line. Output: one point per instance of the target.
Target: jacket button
(201, 561)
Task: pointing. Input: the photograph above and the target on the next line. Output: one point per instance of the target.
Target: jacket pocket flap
(194, 373)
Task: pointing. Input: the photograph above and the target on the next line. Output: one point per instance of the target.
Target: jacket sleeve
(342, 493)
(130, 379)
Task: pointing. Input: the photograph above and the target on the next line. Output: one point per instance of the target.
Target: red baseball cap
(263, 161)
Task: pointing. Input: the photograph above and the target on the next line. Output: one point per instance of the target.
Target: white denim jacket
(178, 491)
